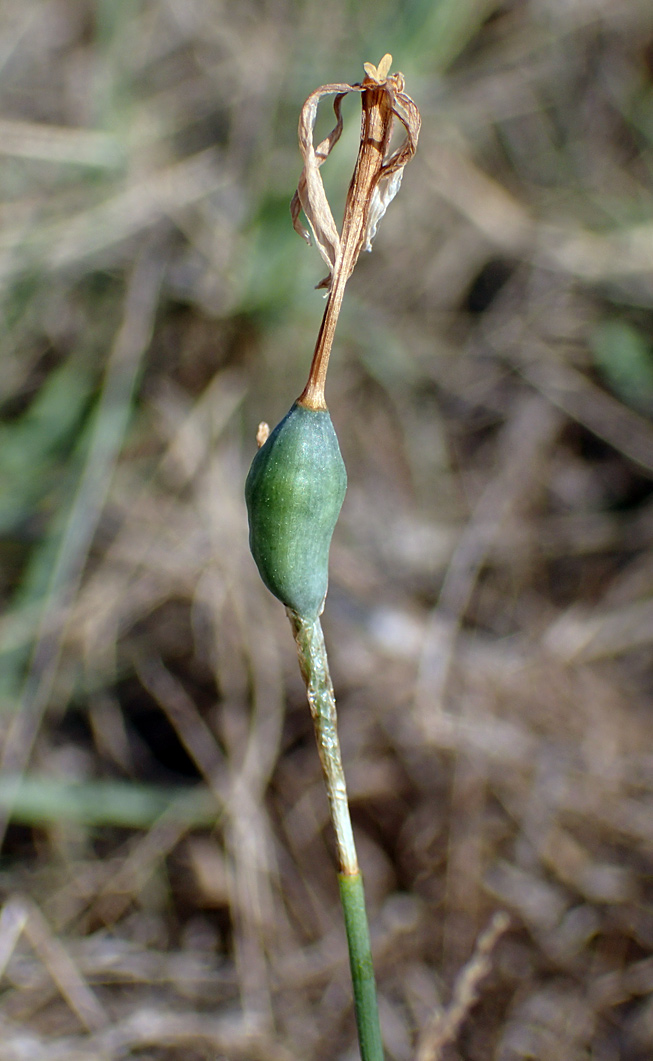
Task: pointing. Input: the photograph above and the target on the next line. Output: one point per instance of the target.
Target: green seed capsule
(294, 493)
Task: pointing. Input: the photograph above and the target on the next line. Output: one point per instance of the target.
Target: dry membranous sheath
(296, 484)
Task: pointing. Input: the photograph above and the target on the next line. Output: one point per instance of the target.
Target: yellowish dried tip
(383, 69)
(262, 432)
(379, 73)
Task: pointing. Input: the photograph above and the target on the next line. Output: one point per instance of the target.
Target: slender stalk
(352, 897)
(314, 666)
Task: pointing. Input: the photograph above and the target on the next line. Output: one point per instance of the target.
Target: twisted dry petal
(405, 110)
(322, 151)
(389, 180)
(408, 114)
(310, 195)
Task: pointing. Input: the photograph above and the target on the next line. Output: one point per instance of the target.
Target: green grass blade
(41, 801)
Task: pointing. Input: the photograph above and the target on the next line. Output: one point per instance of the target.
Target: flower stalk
(314, 665)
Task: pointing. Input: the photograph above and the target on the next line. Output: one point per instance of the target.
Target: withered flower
(374, 184)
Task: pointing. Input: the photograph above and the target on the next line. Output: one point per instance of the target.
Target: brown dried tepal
(374, 184)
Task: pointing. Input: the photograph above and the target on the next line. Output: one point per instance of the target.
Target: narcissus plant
(296, 484)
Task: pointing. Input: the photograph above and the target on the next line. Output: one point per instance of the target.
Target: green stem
(314, 666)
(352, 897)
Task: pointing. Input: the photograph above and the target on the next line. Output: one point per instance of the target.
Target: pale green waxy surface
(294, 493)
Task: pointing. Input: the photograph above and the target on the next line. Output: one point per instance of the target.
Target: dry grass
(167, 876)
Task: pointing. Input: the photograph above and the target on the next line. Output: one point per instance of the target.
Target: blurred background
(167, 874)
